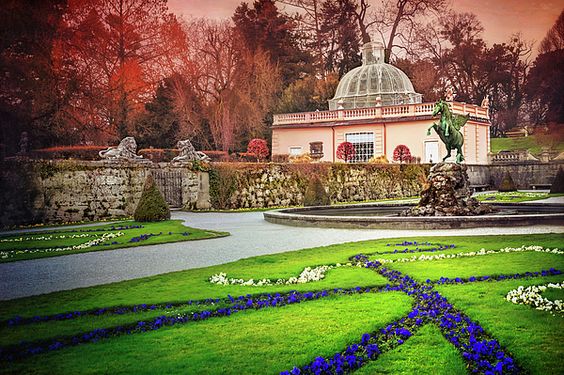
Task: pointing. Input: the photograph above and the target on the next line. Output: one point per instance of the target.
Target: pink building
(376, 109)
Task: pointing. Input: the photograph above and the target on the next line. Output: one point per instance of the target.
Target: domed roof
(373, 83)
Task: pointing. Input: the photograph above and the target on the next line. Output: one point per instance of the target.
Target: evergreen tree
(151, 206)
(264, 28)
(158, 126)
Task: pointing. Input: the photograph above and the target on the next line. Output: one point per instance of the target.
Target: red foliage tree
(402, 153)
(258, 148)
(346, 151)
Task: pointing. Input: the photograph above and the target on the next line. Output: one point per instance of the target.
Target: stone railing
(406, 110)
(512, 157)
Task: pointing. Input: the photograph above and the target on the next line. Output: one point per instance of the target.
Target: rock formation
(447, 193)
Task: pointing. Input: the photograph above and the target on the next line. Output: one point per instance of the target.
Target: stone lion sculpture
(188, 152)
(127, 150)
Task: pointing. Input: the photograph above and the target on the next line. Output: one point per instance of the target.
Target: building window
(295, 150)
(363, 146)
(316, 150)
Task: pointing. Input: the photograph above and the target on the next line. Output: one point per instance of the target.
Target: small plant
(151, 206)
(381, 159)
(507, 184)
(302, 158)
(346, 152)
(315, 194)
(558, 183)
(402, 154)
(258, 148)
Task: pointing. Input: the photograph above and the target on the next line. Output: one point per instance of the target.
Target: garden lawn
(513, 197)
(486, 265)
(31, 245)
(534, 337)
(427, 352)
(275, 339)
(193, 284)
(250, 342)
(523, 143)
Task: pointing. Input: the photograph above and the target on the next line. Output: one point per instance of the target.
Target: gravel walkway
(250, 236)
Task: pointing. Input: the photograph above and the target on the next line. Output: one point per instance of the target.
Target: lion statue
(127, 150)
(188, 152)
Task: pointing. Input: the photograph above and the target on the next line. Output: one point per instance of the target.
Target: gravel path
(250, 236)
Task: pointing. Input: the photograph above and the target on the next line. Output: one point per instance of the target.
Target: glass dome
(374, 83)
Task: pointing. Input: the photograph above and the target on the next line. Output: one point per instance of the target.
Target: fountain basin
(386, 216)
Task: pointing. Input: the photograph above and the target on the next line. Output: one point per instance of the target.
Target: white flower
(307, 275)
(531, 296)
(482, 252)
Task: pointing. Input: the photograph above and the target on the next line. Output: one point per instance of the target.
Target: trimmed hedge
(151, 206)
(81, 152)
(558, 183)
(507, 184)
(315, 194)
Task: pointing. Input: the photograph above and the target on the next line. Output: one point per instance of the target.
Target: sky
(501, 18)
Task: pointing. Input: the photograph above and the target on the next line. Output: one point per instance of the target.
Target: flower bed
(307, 275)
(481, 351)
(6, 254)
(482, 252)
(531, 296)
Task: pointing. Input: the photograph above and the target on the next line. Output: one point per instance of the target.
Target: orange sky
(500, 18)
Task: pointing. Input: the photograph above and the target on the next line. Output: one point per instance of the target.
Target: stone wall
(524, 174)
(270, 185)
(67, 191)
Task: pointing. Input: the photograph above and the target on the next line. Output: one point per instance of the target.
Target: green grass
(553, 294)
(426, 352)
(272, 340)
(513, 197)
(524, 143)
(534, 337)
(23, 250)
(494, 264)
(193, 284)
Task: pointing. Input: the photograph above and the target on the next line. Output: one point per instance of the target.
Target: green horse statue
(448, 129)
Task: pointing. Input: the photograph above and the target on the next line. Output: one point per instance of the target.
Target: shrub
(280, 158)
(258, 148)
(402, 154)
(215, 155)
(382, 159)
(82, 152)
(302, 158)
(245, 157)
(315, 194)
(158, 154)
(507, 184)
(151, 206)
(346, 151)
(558, 183)
(223, 184)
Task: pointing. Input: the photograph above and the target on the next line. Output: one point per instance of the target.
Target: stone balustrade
(395, 111)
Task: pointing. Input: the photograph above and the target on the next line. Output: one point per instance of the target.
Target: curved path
(251, 235)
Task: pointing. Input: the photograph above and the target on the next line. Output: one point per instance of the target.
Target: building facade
(376, 109)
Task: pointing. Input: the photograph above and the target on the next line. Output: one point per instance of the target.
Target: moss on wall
(257, 185)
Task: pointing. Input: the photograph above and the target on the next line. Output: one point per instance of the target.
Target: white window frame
(364, 154)
(298, 148)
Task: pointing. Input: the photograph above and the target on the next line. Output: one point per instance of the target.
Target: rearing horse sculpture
(448, 129)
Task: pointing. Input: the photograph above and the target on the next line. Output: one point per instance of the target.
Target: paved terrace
(250, 236)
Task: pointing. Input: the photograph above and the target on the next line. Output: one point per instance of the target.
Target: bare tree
(237, 87)
(120, 50)
(397, 21)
